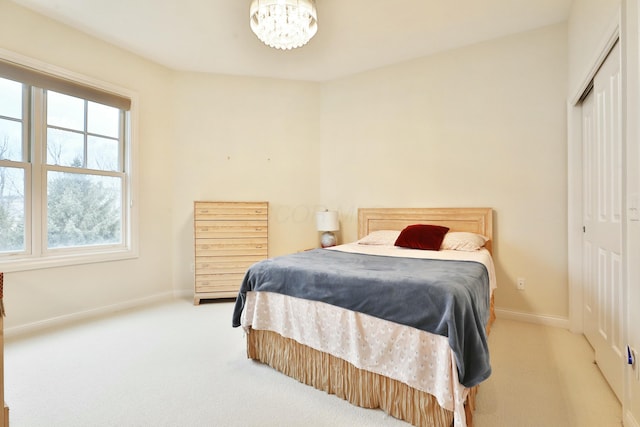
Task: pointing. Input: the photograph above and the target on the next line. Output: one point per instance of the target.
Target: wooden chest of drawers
(229, 238)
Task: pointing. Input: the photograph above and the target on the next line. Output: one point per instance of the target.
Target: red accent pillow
(422, 236)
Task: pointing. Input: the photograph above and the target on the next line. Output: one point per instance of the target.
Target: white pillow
(463, 241)
(380, 237)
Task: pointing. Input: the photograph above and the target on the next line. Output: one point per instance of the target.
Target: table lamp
(327, 222)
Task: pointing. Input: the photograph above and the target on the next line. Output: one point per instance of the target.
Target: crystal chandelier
(284, 24)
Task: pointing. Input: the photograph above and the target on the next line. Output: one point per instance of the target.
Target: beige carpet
(175, 364)
(544, 376)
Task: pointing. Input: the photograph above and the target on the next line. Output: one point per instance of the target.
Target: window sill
(24, 264)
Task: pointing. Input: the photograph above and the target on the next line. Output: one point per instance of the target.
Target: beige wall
(238, 138)
(589, 21)
(200, 137)
(478, 126)
(483, 125)
(39, 295)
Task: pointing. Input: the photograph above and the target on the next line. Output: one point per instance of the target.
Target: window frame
(37, 256)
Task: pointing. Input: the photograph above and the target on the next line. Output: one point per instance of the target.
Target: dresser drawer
(228, 264)
(230, 229)
(219, 282)
(231, 247)
(230, 211)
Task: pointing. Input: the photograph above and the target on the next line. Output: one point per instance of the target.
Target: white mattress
(420, 359)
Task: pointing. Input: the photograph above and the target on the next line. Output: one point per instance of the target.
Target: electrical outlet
(520, 283)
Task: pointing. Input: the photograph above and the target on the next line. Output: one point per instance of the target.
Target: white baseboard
(86, 314)
(558, 322)
(629, 420)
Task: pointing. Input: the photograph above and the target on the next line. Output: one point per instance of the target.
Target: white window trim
(131, 247)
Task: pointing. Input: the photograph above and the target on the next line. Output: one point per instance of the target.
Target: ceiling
(353, 35)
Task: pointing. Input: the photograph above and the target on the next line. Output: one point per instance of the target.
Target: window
(65, 171)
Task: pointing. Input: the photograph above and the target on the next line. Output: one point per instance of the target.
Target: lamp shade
(327, 221)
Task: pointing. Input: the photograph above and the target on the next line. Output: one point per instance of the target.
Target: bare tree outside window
(63, 183)
(12, 204)
(83, 208)
(12, 175)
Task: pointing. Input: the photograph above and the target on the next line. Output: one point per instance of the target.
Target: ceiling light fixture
(284, 24)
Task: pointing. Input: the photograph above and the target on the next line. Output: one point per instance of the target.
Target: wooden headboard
(474, 220)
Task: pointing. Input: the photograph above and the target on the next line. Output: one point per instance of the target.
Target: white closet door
(603, 219)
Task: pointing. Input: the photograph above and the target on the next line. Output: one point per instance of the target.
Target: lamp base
(328, 239)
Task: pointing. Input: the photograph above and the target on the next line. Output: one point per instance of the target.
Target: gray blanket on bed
(444, 297)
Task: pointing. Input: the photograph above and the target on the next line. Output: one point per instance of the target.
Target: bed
(374, 354)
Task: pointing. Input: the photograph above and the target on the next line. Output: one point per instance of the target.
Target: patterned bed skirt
(359, 387)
